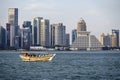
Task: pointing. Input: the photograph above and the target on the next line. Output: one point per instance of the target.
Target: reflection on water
(66, 65)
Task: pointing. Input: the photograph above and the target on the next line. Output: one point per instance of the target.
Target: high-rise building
(25, 38)
(27, 24)
(36, 31)
(110, 40)
(44, 33)
(84, 40)
(74, 35)
(113, 40)
(40, 32)
(2, 37)
(67, 40)
(105, 40)
(17, 42)
(58, 32)
(7, 35)
(116, 32)
(102, 38)
(13, 21)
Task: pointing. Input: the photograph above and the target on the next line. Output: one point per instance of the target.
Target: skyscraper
(36, 31)
(40, 32)
(58, 34)
(13, 18)
(2, 37)
(44, 33)
(105, 40)
(27, 24)
(13, 21)
(25, 38)
(113, 40)
(67, 40)
(116, 32)
(7, 34)
(102, 38)
(74, 35)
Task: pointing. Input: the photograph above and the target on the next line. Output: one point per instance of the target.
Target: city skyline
(100, 16)
(38, 34)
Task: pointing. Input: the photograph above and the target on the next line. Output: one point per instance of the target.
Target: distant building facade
(17, 42)
(44, 33)
(67, 40)
(2, 37)
(74, 35)
(113, 40)
(116, 32)
(25, 38)
(105, 40)
(7, 35)
(58, 32)
(27, 24)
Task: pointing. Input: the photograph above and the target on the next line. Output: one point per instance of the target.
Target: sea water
(66, 65)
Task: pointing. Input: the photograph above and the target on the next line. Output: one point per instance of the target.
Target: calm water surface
(66, 65)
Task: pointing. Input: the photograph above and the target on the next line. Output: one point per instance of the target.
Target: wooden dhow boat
(36, 57)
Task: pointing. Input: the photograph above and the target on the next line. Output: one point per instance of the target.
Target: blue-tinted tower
(74, 35)
(2, 37)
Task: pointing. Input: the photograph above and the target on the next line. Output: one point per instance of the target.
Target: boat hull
(41, 58)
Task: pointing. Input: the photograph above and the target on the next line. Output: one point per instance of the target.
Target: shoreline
(57, 51)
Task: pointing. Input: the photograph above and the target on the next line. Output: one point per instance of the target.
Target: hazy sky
(99, 15)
